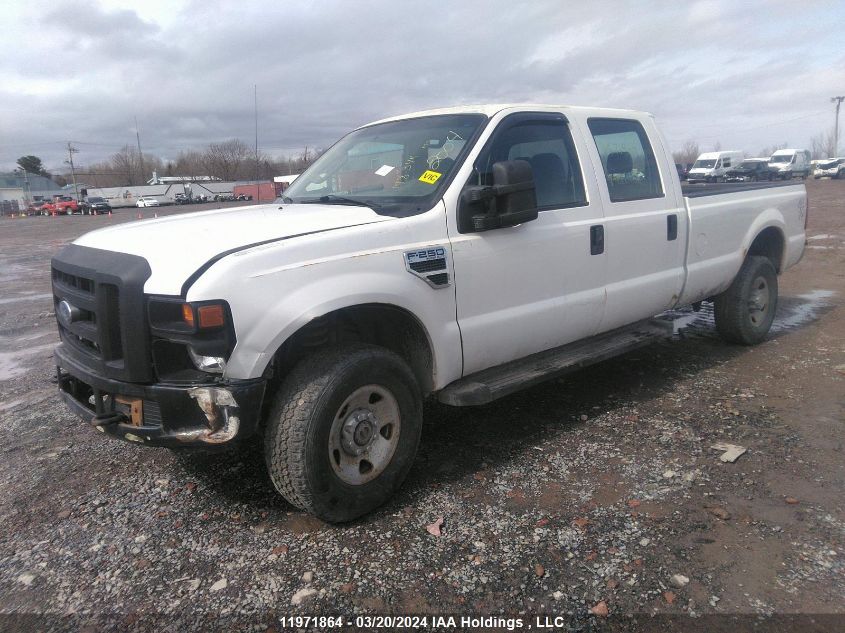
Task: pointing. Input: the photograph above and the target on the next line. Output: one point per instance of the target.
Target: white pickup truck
(461, 253)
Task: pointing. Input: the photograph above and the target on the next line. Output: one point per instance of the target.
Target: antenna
(140, 153)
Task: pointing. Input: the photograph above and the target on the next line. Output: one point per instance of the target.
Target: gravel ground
(597, 492)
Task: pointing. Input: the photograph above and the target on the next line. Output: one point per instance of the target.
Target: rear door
(535, 286)
(645, 220)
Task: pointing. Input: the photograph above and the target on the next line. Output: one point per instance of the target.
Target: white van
(788, 163)
(711, 166)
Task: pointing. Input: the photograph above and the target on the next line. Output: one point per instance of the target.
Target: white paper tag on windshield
(384, 170)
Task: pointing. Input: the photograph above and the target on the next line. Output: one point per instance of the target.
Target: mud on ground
(600, 487)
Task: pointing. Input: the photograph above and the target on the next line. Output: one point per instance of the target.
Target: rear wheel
(343, 431)
(745, 311)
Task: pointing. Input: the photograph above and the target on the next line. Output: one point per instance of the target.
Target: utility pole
(256, 144)
(140, 154)
(71, 150)
(838, 101)
(27, 197)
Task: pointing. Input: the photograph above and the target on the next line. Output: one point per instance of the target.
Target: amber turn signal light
(211, 316)
(188, 314)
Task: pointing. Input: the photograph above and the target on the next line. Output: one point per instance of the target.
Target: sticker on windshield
(384, 170)
(430, 176)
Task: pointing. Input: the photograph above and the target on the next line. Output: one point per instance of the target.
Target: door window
(627, 159)
(546, 144)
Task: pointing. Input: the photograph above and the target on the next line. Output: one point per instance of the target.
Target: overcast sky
(748, 74)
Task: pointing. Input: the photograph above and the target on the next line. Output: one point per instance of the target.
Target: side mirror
(511, 200)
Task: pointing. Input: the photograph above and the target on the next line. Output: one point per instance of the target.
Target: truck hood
(177, 246)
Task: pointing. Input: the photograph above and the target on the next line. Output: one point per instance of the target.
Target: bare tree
(225, 160)
(124, 163)
(823, 146)
(128, 166)
(189, 163)
(687, 154)
(768, 151)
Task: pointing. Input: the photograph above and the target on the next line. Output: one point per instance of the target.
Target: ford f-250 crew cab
(461, 253)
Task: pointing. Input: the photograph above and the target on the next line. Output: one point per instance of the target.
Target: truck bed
(720, 215)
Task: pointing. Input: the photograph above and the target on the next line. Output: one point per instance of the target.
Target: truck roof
(490, 109)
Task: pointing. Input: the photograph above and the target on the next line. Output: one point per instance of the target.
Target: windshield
(707, 163)
(397, 168)
(783, 158)
(94, 199)
(830, 164)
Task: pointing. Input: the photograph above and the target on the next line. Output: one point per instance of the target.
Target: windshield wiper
(334, 199)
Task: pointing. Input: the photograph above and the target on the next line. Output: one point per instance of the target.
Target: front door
(535, 286)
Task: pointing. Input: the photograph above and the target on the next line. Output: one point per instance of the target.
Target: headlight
(211, 364)
(190, 336)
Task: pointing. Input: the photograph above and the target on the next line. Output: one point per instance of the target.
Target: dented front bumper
(174, 415)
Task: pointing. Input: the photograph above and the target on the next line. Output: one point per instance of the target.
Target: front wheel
(745, 311)
(343, 431)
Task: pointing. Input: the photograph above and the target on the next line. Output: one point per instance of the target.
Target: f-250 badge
(429, 264)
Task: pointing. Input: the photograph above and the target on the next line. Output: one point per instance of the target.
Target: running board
(494, 383)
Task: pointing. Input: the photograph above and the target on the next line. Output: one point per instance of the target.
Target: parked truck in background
(459, 254)
(60, 205)
(829, 168)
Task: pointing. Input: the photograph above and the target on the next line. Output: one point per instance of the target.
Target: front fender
(317, 291)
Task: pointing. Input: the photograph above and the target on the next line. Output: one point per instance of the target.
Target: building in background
(18, 189)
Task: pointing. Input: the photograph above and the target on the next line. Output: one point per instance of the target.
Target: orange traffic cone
(109, 212)
(155, 214)
(140, 217)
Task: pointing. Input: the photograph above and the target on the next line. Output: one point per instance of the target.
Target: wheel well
(769, 243)
(388, 326)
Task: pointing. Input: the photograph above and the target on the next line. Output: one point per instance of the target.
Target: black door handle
(672, 227)
(596, 239)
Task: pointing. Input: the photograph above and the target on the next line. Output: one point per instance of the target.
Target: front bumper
(184, 415)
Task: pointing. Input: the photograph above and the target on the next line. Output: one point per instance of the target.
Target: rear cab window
(629, 165)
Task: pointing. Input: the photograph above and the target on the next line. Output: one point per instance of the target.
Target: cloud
(746, 74)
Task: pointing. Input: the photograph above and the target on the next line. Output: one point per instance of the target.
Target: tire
(312, 432)
(745, 311)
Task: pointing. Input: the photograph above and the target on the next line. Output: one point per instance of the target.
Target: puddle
(793, 313)
(11, 363)
(11, 404)
(25, 298)
(34, 336)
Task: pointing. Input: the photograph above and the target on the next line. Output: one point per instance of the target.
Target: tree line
(228, 160)
(823, 145)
